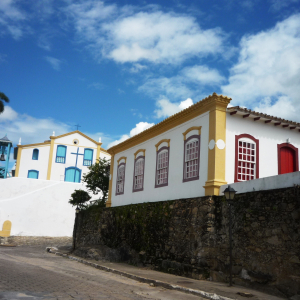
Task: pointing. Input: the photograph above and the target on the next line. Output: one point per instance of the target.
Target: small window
(246, 158)
(138, 182)
(61, 154)
(35, 154)
(120, 179)
(191, 158)
(88, 157)
(162, 166)
(33, 174)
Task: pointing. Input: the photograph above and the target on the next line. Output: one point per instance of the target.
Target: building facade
(196, 151)
(62, 158)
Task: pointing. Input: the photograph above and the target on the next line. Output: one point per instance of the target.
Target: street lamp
(229, 193)
(77, 210)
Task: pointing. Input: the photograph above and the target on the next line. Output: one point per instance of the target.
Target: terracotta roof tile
(262, 115)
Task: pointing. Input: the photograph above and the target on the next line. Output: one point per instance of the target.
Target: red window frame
(256, 142)
(135, 162)
(167, 150)
(279, 146)
(187, 141)
(123, 183)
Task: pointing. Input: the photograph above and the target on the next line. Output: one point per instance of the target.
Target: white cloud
(54, 62)
(277, 5)
(8, 115)
(43, 40)
(10, 10)
(125, 35)
(268, 66)
(87, 17)
(2, 57)
(172, 87)
(11, 18)
(283, 108)
(96, 85)
(141, 126)
(137, 68)
(188, 82)
(30, 129)
(43, 8)
(167, 108)
(202, 75)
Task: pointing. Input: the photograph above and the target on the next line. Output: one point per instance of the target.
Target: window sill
(161, 185)
(191, 179)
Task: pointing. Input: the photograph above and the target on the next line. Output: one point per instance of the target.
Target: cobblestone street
(29, 272)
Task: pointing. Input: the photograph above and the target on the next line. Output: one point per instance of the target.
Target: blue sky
(118, 67)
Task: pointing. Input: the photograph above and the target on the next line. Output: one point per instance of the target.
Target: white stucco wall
(269, 137)
(41, 165)
(37, 207)
(104, 155)
(176, 188)
(267, 183)
(58, 169)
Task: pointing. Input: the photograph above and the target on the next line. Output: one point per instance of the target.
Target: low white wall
(266, 183)
(37, 207)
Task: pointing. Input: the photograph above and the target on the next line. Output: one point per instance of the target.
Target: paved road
(31, 273)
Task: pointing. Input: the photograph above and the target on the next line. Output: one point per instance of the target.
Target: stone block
(294, 259)
(295, 215)
(218, 276)
(236, 270)
(274, 240)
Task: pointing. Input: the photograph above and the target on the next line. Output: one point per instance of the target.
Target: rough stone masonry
(189, 237)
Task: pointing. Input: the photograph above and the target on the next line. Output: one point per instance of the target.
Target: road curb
(159, 283)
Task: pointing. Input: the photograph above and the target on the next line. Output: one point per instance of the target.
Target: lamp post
(229, 193)
(77, 210)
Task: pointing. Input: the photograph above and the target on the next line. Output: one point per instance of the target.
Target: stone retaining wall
(189, 237)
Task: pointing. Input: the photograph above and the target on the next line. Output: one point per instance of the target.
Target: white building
(62, 158)
(196, 151)
(30, 205)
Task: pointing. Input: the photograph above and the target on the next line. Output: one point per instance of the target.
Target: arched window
(246, 158)
(61, 154)
(287, 158)
(120, 179)
(191, 158)
(33, 174)
(72, 174)
(88, 157)
(138, 181)
(162, 167)
(35, 154)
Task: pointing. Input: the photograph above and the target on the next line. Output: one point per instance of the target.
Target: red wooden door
(287, 161)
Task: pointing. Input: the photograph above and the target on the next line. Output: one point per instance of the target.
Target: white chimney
(53, 134)
(20, 141)
(99, 139)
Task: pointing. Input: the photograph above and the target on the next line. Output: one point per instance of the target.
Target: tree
(97, 180)
(79, 197)
(4, 98)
